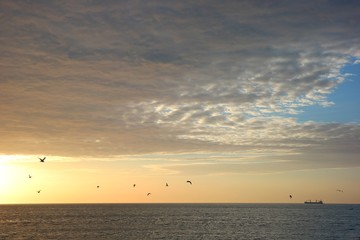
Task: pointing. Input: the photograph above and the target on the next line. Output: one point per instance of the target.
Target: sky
(250, 100)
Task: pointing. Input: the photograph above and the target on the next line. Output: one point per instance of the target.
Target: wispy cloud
(114, 78)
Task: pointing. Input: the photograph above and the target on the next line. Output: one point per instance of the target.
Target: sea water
(179, 221)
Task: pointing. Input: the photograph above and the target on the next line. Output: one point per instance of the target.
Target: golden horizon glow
(63, 182)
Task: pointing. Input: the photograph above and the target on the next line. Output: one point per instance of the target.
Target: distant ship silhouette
(316, 202)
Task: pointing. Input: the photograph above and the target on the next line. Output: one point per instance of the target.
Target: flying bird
(42, 159)
(134, 185)
(166, 185)
(30, 176)
(339, 190)
(290, 196)
(38, 191)
(189, 182)
(148, 194)
(97, 186)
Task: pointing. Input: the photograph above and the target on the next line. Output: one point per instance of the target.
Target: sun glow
(6, 177)
(10, 158)
(10, 176)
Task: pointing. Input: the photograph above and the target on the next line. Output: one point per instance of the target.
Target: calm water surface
(180, 221)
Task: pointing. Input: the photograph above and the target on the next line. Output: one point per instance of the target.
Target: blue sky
(346, 99)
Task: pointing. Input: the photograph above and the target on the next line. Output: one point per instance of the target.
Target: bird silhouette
(290, 196)
(339, 190)
(30, 176)
(189, 182)
(38, 191)
(42, 159)
(97, 186)
(166, 185)
(134, 185)
(148, 194)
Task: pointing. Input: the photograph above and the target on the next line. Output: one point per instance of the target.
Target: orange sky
(64, 182)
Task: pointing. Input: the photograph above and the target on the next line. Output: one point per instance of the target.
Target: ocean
(179, 221)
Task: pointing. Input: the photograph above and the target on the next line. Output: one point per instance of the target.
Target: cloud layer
(106, 78)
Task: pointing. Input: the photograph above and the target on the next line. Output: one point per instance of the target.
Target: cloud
(110, 79)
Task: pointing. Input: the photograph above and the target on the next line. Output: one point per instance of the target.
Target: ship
(316, 202)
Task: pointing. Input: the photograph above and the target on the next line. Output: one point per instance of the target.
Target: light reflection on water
(180, 221)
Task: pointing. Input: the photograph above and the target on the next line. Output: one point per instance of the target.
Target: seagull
(290, 196)
(30, 176)
(189, 182)
(134, 185)
(166, 185)
(148, 194)
(339, 190)
(38, 191)
(42, 159)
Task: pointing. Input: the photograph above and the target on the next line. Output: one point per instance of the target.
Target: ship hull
(316, 202)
